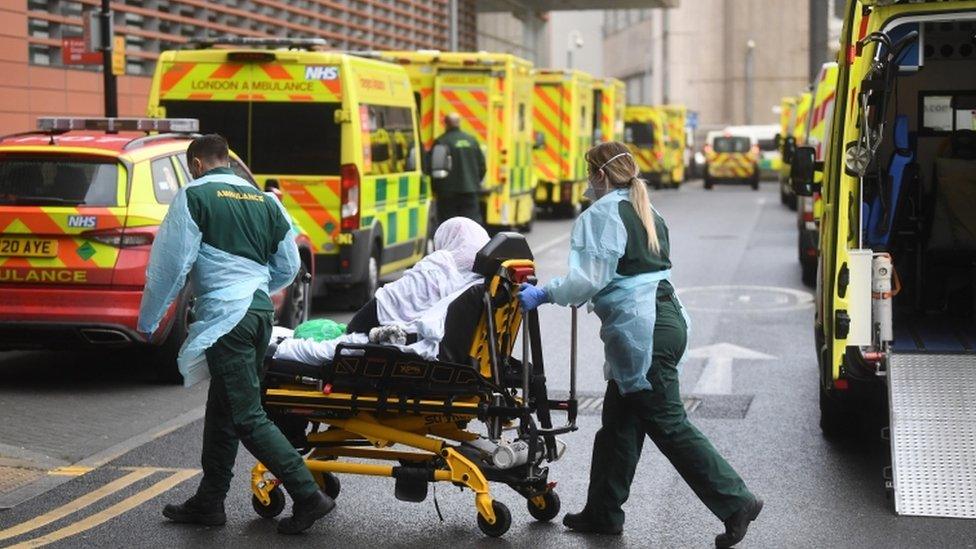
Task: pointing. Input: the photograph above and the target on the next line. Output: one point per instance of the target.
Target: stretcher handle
(573, 339)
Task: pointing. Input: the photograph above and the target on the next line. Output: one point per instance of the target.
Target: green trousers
(659, 414)
(234, 414)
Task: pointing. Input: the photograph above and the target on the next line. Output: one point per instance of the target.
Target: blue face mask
(592, 193)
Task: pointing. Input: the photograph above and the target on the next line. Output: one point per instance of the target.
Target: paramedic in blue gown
(619, 261)
(237, 245)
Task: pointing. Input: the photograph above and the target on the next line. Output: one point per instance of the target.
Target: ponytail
(642, 205)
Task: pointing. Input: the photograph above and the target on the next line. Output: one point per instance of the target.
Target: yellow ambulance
(645, 132)
(787, 105)
(808, 207)
(675, 118)
(562, 107)
(492, 93)
(795, 137)
(335, 133)
(609, 101)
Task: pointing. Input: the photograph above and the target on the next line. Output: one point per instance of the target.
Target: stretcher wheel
(274, 508)
(503, 520)
(548, 509)
(329, 483)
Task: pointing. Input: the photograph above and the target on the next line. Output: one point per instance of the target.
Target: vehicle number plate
(28, 247)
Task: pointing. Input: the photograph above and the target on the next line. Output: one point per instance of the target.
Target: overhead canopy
(568, 5)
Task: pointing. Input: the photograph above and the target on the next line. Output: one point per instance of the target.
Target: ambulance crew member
(619, 259)
(457, 194)
(237, 245)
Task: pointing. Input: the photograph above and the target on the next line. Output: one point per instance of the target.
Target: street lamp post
(575, 41)
(750, 62)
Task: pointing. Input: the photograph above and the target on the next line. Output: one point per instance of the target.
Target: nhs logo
(319, 72)
(82, 221)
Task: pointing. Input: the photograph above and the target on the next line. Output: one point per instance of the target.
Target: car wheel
(295, 309)
(162, 359)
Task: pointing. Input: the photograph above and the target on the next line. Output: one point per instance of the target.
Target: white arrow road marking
(716, 378)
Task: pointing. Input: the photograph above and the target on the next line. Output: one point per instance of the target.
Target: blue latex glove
(532, 296)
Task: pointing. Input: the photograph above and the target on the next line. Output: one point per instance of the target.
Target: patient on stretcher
(413, 311)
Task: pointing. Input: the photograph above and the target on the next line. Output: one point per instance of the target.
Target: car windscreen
(731, 144)
(639, 133)
(46, 181)
(767, 145)
(295, 139)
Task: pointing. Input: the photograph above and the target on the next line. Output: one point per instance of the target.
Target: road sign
(118, 55)
(74, 52)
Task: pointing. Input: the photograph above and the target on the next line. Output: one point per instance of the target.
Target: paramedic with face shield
(619, 261)
(238, 247)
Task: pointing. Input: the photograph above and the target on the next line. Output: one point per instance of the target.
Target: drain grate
(702, 406)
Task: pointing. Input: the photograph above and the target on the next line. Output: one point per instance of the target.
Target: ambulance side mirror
(440, 161)
(789, 148)
(539, 140)
(803, 170)
(778, 140)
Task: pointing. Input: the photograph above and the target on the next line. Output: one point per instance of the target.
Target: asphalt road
(750, 386)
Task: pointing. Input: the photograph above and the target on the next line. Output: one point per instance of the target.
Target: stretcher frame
(509, 396)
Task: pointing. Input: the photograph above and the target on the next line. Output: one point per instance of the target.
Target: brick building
(35, 83)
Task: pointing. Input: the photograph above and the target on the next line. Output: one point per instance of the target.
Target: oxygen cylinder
(511, 454)
(881, 272)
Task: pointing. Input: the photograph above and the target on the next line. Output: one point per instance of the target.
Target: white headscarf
(439, 275)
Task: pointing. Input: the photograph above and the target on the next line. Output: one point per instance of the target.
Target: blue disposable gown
(223, 283)
(626, 305)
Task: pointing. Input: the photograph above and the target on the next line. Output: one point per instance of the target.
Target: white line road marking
(716, 378)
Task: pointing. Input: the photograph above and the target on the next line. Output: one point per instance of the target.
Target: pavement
(107, 447)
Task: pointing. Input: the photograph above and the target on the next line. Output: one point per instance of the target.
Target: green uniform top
(638, 257)
(467, 164)
(239, 221)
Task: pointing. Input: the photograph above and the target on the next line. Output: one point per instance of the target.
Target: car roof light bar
(115, 125)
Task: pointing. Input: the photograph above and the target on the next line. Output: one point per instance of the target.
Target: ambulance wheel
(808, 272)
(295, 309)
(549, 507)
(835, 420)
(274, 507)
(503, 521)
(361, 293)
(709, 183)
(328, 482)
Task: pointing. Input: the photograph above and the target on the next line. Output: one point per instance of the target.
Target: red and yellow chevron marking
(647, 160)
(550, 115)
(74, 251)
(427, 116)
(730, 165)
(245, 82)
(314, 204)
(472, 105)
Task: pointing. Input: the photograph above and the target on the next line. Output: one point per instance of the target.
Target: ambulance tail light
(124, 238)
(658, 154)
(349, 177)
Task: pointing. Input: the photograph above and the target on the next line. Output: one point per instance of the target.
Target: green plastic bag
(319, 329)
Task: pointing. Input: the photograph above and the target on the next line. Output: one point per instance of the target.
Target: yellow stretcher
(412, 419)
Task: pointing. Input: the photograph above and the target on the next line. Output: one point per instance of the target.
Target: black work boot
(580, 522)
(194, 512)
(738, 523)
(304, 513)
